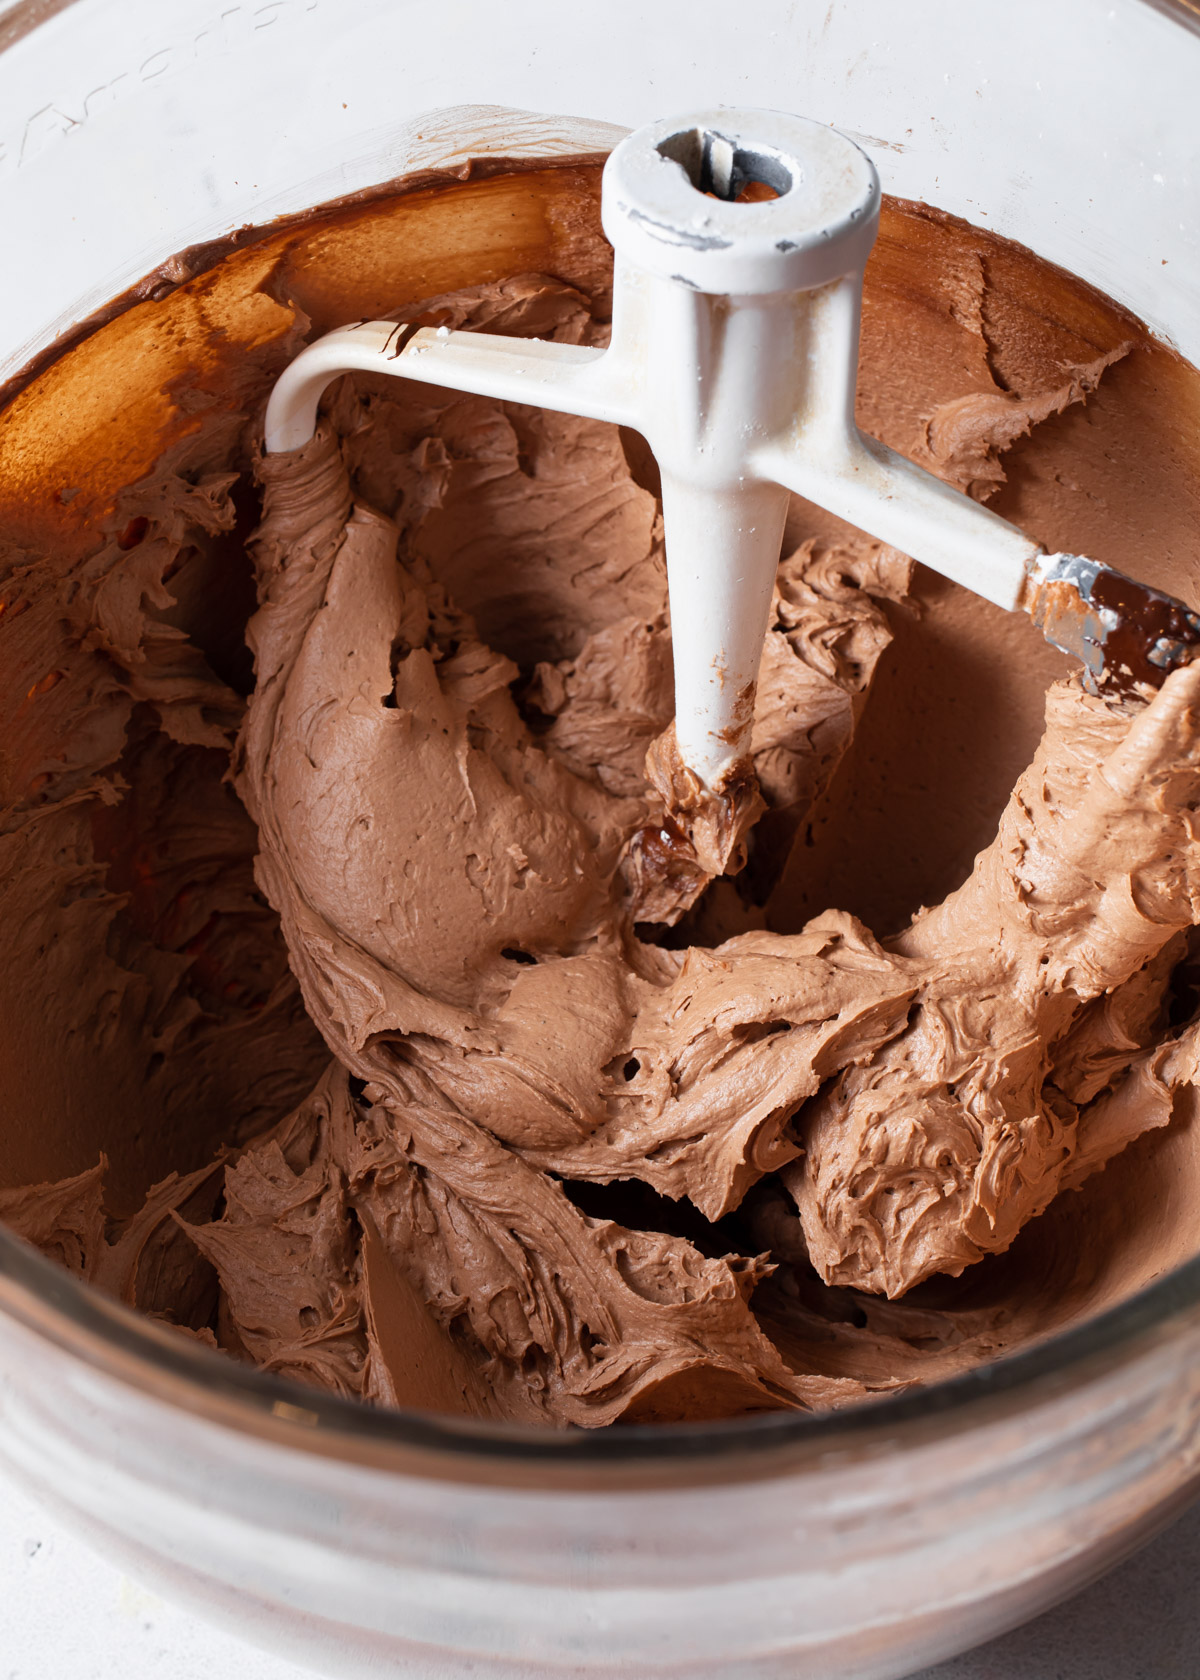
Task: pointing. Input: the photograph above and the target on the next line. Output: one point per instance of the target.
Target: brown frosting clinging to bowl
(590, 1147)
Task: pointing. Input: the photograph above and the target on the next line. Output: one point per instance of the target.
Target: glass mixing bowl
(866, 1543)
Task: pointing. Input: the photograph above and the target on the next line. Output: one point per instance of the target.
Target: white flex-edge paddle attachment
(734, 352)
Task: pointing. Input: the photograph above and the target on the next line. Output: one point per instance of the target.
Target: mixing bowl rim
(114, 1339)
(19, 18)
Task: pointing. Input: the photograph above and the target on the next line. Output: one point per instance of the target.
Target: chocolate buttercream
(597, 1141)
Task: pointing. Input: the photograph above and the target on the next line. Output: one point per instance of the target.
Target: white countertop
(65, 1612)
